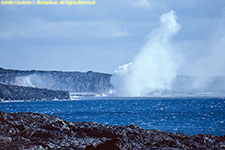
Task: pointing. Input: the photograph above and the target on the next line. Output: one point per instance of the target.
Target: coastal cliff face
(38, 131)
(39, 85)
(12, 92)
(58, 80)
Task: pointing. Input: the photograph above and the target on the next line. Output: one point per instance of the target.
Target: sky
(99, 37)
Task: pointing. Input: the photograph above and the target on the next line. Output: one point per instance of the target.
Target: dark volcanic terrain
(38, 131)
(13, 92)
(58, 80)
(39, 85)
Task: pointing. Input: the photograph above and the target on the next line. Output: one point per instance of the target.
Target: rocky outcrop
(58, 80)
(38, 131)
(12, 92)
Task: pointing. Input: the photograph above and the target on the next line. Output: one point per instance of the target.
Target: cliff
(57, 80)
(12, 92)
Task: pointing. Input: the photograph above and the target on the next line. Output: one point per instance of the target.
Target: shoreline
(39, 131)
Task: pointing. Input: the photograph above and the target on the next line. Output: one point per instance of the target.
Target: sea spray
(155, 67)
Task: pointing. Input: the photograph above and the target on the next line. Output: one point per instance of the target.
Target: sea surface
(187, 115)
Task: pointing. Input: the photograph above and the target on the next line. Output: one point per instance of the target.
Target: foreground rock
(38, 131)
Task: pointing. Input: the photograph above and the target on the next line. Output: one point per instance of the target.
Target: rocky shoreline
(49, 85)
(39, 131)
(13, 92)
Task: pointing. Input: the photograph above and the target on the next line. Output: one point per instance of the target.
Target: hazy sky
(99, 37)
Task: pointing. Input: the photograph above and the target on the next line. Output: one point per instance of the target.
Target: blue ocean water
(186, 115)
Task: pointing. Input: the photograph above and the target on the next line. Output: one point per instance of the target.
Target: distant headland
(39, 85)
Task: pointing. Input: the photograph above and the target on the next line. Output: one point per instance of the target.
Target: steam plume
(160, 70)
(155, 67)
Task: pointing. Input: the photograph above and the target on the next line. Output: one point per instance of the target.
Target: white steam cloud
(160, 69)
(155, 66)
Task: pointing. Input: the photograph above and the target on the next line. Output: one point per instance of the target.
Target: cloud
(104, 23)
(38, 28)
(142, 4)
(120, 33)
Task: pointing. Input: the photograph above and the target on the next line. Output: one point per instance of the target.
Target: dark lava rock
(39, 131)
(12, 92)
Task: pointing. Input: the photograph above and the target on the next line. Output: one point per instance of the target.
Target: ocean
(191, 115)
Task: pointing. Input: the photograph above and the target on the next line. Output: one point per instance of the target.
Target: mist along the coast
(164, 68)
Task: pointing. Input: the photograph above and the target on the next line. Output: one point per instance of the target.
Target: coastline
(39, 131)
